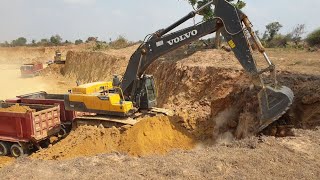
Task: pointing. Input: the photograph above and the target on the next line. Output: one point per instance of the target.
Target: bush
(278, 41)
(78, 41)
(313, 39)
(120, 42)
(21, 41)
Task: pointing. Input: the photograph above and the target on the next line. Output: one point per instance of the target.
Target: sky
(133, 19)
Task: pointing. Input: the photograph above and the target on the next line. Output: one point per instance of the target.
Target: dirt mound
(17, 108)
(157, 135)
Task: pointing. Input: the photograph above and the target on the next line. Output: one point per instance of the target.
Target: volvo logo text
(182, 37)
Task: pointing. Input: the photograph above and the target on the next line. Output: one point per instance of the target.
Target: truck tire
(4, 148)
(62, 133)
(16, 150)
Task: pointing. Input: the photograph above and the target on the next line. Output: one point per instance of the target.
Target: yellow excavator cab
(92, 88)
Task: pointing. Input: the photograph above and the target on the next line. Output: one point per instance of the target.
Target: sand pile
(17, 108)
(156, 135)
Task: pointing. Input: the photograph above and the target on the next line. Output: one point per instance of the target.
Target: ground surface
(264, 158)
(211, 96)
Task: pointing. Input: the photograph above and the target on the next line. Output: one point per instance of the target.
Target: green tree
(208, 13)
(78, 41)
(313, 39)
(56, 39)
(44, 42)
(21, 41)
(272, 29)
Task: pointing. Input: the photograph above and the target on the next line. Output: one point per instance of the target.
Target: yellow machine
(136, 92)
(100, 98)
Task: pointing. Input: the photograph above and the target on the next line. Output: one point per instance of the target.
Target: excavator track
(115, 121)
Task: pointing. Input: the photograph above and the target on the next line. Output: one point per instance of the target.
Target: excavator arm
(236, 28)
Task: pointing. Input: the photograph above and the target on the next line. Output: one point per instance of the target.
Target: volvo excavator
(122, 100)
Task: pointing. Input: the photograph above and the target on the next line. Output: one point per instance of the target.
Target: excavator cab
(147, 98)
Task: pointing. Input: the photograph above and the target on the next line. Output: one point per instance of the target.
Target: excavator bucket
(274, 102)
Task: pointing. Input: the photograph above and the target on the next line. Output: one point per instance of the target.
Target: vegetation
(78, 41)
(208, 13)
(120, 42)
(313, 39)
(21, 41)
(56, 40)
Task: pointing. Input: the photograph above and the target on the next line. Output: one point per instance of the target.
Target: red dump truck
(44, 98)
(22, 131)
(31, 69)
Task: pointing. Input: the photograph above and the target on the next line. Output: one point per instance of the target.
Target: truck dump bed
(34, 125)
(48, 99)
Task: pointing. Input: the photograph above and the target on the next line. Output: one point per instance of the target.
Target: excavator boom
(138, 88)
(274, 100)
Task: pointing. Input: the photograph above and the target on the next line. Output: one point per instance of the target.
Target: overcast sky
(74, 19)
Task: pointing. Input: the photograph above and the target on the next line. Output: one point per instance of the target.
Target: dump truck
(45, 98)
(22, 131)
(31, 69)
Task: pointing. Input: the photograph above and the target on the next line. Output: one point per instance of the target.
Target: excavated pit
(213, 98)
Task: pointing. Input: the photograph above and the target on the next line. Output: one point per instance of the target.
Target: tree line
(55, 40)
(271, 37)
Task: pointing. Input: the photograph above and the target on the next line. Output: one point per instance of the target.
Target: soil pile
(17, 108)
(156, 135)
(53, 70)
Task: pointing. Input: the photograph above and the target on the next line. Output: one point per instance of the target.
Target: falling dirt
(17, 108)
(150, 136)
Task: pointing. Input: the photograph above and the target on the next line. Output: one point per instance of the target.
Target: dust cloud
(12, 84)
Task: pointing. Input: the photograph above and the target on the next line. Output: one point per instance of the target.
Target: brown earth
(150, 136)
(5, 161)
(215, 104)
(251, 158)
(17, 108)
(19, 55)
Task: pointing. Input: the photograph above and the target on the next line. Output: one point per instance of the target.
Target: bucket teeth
(274, 102)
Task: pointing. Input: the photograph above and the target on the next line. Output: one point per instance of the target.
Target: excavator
(123, 100)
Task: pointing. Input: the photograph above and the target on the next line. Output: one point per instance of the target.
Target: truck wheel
(16, 150)
(62, 133)
(4, 148)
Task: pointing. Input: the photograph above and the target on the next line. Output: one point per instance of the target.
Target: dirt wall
(208, 89)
